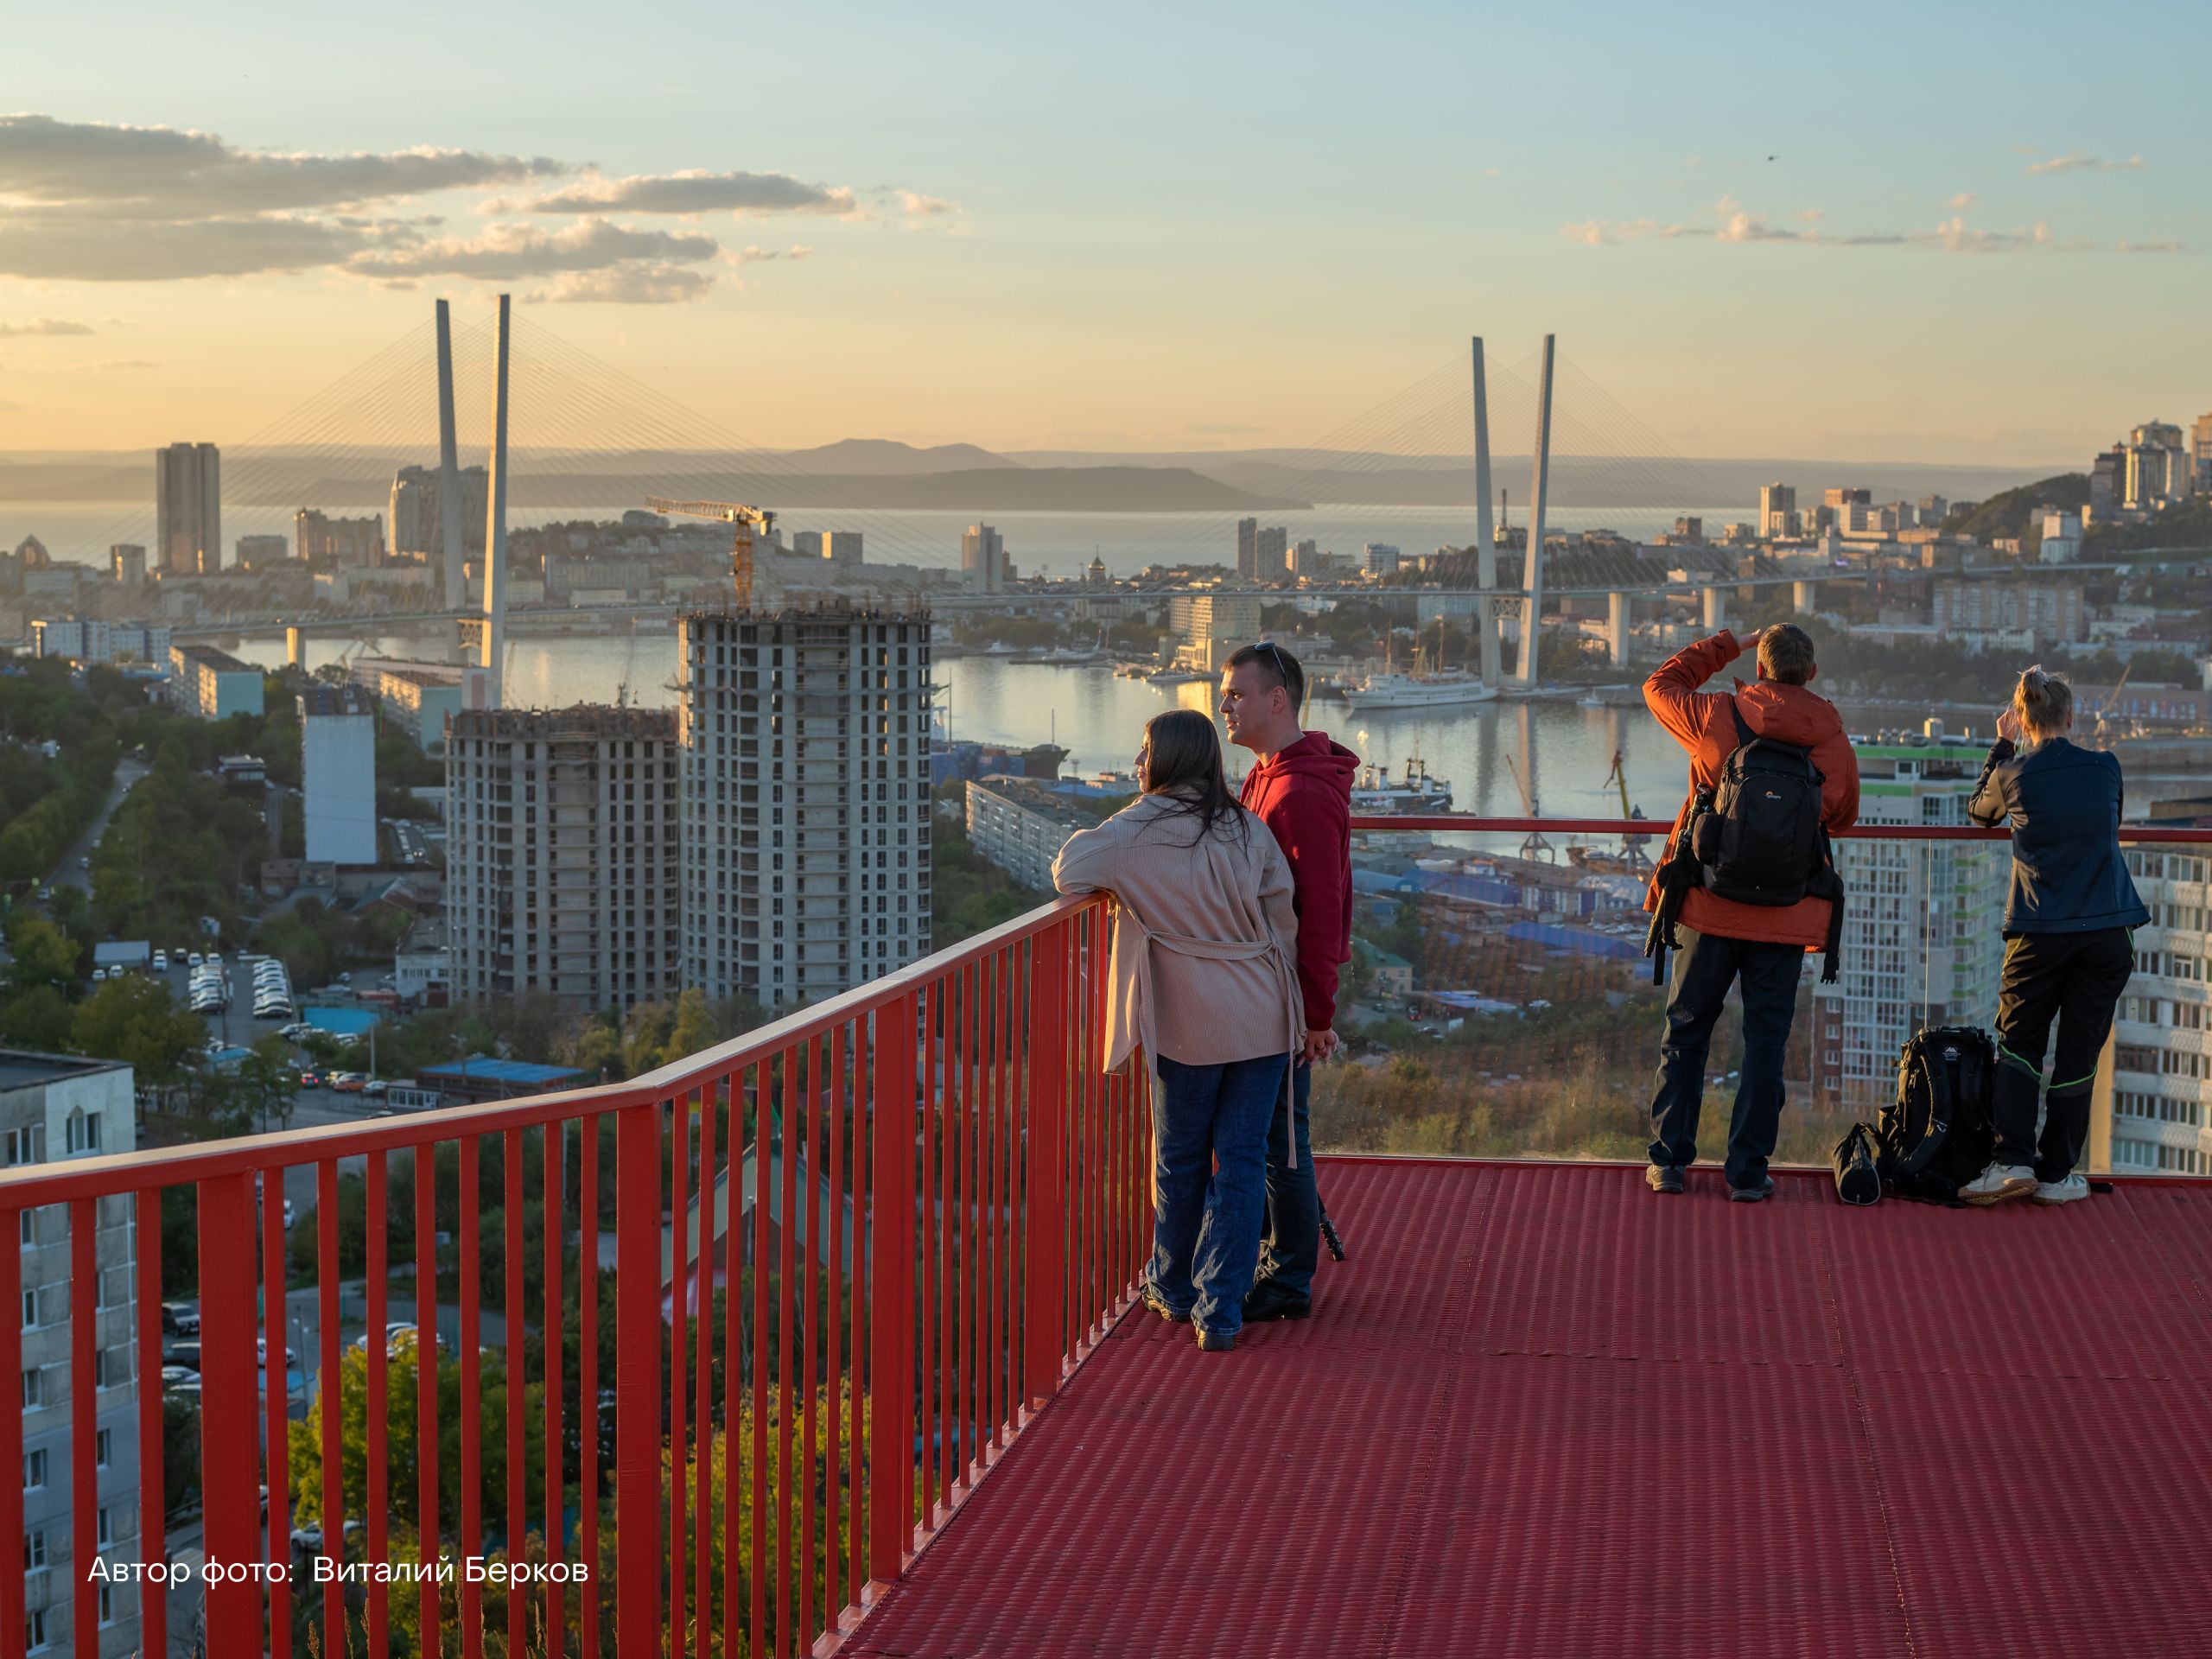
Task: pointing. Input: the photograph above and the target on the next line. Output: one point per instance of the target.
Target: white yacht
(1426, 687)
(1377, 795)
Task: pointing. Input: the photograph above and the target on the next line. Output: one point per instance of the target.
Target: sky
(1957, 233)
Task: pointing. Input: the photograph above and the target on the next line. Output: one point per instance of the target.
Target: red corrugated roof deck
(1541, 1411)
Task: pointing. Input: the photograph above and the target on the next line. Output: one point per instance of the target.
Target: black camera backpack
(1938, 1135)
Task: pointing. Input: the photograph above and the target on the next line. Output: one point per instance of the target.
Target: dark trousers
(1209, 1126)
(2074, 979)
(1290, 1243)
(1704, 968)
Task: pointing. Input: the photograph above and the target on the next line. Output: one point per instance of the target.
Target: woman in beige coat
(1203, 980)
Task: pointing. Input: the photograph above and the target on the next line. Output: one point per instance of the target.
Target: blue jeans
(1703, 969)
(1210, 1133)
(1291, 1247)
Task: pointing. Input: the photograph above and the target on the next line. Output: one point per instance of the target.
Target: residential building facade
(2153, 1107)
(1921, 940)
(804, 744)
(2053, 612)
(189, 509)
(560, 853)
(1021, 829)
(52, 1108)
(87, 639)
(417, 512)
(337, 543)
(338, 773)
(211, 683)
(982, 560)
(1210, 627)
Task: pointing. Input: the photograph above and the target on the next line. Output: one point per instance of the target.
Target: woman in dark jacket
(2069, 949)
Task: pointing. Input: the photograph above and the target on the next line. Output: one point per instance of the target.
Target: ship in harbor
(1426, 687)
(1377, 794)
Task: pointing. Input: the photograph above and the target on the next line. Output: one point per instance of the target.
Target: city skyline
(1175, 242)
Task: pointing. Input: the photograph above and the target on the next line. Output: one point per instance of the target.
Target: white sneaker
(2076, 1186)
(2000, 1182)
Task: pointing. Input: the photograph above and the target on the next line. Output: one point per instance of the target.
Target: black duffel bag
(1858, 1178)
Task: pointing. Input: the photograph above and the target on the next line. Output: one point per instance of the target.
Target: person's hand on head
(1750, 642)
(2008, 725)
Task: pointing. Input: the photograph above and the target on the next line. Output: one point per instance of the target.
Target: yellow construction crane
(730, 512)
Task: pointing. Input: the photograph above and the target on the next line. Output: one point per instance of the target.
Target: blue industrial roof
(341, 1022)
(503, 1071)
(1574, 939)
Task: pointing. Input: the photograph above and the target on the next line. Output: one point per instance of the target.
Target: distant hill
(889, 458)
(2005, 516)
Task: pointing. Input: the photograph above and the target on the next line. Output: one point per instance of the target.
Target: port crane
(746, 519)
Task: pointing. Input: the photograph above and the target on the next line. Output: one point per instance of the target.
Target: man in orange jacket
(1721, 941)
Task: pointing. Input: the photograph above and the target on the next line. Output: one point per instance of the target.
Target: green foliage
(2187, 524)
(135, 1018)
(317, 943)
(180, 847)
(969, 893)
(2008, 515)
(40, 954)
(40, 1018)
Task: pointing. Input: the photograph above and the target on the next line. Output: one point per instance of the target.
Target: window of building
(35, 1629)
(33, 1550)
(103, 1443)
(34, 1469)
(33, 1388)
(27, 1145)
(83, 1131)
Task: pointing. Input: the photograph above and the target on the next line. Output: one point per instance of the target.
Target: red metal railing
(946, 1209)
(949, 1205)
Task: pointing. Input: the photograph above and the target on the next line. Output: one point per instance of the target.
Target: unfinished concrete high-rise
(804, 743)
(561, 862)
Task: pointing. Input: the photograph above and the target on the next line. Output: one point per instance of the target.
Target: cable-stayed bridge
(585, 437)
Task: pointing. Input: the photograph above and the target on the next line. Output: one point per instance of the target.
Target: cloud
(1734, 224)
(100, 201)
(693, 192)
(1960, 203)
(169, 173)
(42, 326)
(138, 250)
(117, 363)
(628, 285)
(506, 252)
(2075, 162)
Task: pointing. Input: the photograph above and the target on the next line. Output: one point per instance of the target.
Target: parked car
(374, 1086)
(196, 959)
(161, 961)
(311, 1080)
(186, 1353)
(349, 1083)
(84, 863)
(180, 1320)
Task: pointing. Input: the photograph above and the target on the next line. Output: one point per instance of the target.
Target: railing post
(637, 1383)
(229, 1450)
(1045, 1235)
(891, 1322)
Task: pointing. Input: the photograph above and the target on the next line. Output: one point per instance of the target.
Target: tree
(134, 1019)
(42, 955)
(267, 1082)
(40, 1018)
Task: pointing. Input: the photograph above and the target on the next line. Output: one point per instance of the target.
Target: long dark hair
(1183, 762)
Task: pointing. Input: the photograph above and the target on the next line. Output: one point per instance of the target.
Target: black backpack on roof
(1938, 1133)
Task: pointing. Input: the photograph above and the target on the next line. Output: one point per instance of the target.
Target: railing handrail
(81, 1178)
(33, 1184)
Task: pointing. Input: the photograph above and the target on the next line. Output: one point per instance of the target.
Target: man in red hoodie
(1302, 790)
(1722, 941)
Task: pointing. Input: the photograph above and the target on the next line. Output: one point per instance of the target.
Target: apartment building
(1922, 943)
(1213, 627)
(211, 683)
(88, 639)
(2052, 612)
(560, 853)
(54, 1108)
(188, 509)
(805, 755)
(338, 773)
(2153, 1107)
(1021, 827)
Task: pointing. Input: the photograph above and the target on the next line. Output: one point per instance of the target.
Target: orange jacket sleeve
(1672, 693)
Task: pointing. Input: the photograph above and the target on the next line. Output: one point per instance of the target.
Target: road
(71, 873)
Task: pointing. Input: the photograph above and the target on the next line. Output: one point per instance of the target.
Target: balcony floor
(1541, 1411)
